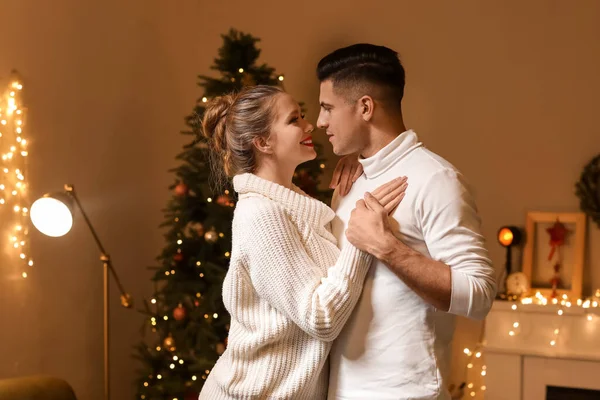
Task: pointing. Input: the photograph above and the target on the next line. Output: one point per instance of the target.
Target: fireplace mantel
(549, 345)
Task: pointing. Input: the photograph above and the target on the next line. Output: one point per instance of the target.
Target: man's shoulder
(428, 163)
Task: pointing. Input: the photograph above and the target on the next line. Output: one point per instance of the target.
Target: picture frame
(536, 266)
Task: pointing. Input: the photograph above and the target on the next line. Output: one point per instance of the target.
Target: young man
(431, 261)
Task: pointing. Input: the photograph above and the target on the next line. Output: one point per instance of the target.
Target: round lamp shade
(509, 236)
(52, 215)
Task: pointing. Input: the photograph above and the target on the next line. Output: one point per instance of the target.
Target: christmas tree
(186, 314)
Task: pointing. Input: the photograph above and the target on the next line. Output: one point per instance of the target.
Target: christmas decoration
(14, 212)
(211, 236)
(193, 227)
(181, 189)
(557, 238)
(476, 360)
(187, 315)
(179, 313)
(223, 200)
(588, 190)
(169, 343)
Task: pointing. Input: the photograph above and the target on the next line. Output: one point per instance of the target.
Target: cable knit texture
(289, 291)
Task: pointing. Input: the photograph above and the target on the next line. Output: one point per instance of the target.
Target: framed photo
(541, 253)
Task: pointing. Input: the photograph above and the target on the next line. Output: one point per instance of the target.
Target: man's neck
(379, 137)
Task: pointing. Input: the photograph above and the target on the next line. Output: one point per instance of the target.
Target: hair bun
(214, 121)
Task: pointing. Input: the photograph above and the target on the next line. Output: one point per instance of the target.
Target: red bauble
(178, 257)
(181, 189)
(179, 313)
(223, 200)
(196, 303)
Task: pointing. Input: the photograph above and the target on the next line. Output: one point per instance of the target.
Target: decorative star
(557, 232)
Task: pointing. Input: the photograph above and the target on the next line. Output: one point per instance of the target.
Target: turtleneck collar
(299, 205)
(390, 154)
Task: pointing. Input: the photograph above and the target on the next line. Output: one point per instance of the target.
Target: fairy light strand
(472, 390)
(13, 171)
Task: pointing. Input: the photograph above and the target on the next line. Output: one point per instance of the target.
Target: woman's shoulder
(255, 208)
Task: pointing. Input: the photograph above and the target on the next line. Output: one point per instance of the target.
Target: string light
(13, 185)
(539, 300)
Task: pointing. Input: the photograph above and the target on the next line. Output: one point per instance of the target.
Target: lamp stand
(126, 300)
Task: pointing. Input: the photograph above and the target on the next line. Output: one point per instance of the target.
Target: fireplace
(567, 393)
(535, 352)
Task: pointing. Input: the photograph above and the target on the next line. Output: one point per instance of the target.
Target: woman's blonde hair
(232, 122)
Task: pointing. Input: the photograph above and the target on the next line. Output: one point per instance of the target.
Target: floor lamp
(52, 215)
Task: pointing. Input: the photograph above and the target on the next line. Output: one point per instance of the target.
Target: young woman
(289, 289)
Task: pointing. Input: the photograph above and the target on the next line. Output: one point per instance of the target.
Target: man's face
(341, 120)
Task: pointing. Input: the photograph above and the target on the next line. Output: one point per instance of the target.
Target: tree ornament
(192, 228)
(588, 189)
(211, 236)
(178, 257)
(181, 189)
(169, 343)
(179, 313)
(223, 200)
(220, 348)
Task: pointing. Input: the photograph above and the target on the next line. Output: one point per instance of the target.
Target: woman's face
(291, 135)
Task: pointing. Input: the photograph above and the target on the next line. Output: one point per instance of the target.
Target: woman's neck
(275, 173)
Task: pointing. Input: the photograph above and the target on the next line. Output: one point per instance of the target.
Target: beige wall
(506, 90)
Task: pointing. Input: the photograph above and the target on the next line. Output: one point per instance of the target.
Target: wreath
(588, 189)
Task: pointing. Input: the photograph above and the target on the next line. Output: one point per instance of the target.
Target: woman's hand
(347, 171)
(369, 228)
(390, 194)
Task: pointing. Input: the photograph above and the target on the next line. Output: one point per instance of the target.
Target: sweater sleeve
(285, 275)
(452, 231)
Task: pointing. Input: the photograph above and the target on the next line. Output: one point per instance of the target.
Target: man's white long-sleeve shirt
(395, 345)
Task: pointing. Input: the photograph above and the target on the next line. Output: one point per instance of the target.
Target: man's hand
(347, 171)
(369, 228)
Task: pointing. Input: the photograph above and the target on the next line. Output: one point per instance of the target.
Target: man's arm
(428, 278)
(458, 277)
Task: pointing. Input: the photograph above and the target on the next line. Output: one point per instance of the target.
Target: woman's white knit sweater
(289, 291)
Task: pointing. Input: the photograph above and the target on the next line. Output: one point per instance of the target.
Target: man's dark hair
(364, 69)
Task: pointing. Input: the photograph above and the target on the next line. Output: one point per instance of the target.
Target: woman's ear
(263, 145)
